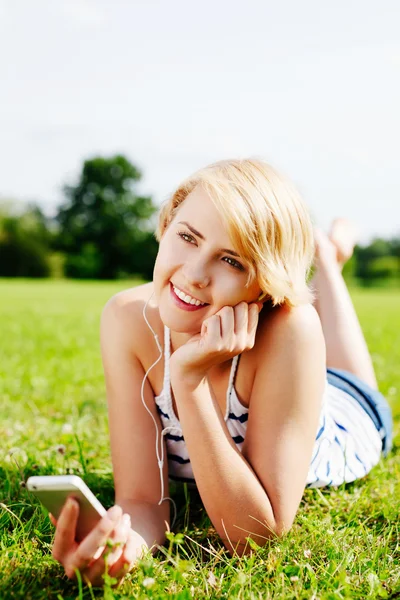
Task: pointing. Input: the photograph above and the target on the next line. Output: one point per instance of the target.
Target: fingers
(111, 555)
(211, 328)
(64, 539)
(53, 520)
(239, 324)
(127, 559)
(241, 319)
(97, 538)
(228, 316)
(253, 315)
(92, 554)
(232, 329)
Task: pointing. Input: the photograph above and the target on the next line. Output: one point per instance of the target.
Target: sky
(312, 87)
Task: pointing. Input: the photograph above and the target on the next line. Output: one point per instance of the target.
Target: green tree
(366, 255)
(105, 227)
(394, 244)
(24, 242)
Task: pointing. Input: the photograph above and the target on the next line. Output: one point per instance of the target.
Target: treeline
(104, 230)
(377, 263)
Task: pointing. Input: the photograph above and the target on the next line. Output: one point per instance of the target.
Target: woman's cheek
(164, 262)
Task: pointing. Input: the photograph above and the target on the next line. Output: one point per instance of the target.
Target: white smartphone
(53, 491)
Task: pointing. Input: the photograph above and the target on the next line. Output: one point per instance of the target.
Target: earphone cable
(159, 447)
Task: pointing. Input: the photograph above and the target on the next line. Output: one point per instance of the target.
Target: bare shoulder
(122, 316)
(288, 329)
(124, 303)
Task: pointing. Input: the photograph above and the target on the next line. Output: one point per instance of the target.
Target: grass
(344, 544)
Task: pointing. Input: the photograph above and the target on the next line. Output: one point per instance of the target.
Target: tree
(366, 255)
(394, 244)
(24, 242)
(105, 226)
(377, 261)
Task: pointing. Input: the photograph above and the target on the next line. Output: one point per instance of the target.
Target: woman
(240, 385)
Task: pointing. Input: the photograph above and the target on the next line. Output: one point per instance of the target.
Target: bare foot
(343, 235)
(325, 249)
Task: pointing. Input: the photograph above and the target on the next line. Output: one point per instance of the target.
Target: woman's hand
(92, 554)
(229, 332)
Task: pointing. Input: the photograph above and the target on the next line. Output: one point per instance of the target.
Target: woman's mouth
(184, 301)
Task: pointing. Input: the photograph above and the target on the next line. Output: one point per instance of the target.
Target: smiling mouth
(186, 298)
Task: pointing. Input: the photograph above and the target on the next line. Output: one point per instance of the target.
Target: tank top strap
(232, 374)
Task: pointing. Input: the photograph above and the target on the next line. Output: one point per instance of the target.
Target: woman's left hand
(229, 332)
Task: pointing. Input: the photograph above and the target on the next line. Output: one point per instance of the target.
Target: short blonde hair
(266, 219)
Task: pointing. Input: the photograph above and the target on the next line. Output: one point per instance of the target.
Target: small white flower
(211, 579)
(294, 578)
(17, 456)
(307, 553)
(67, 428)
(148, 582)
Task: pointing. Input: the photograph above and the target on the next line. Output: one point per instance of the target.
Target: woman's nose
(196, 274)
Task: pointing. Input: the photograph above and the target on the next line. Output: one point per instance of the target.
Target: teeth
(186, 298)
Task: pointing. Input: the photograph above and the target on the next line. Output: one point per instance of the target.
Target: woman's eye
(186, 236)
(189, 239)
(234, 263)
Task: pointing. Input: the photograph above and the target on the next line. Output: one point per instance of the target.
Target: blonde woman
(225, 353)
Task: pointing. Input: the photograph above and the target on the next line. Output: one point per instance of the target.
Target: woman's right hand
(91, 554)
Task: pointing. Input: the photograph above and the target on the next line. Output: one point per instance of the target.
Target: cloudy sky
(313, 87)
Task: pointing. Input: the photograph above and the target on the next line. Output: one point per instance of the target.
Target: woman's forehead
(205, 219)
(199, 207)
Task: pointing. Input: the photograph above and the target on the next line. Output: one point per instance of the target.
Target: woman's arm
(132, 431)
(257, 493)
(137, 522)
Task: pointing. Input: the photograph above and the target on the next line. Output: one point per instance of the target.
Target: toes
(323, 245)
(343, 235)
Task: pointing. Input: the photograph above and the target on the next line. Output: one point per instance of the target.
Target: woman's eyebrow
(201, 236)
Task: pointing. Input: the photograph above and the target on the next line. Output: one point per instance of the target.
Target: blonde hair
(267, 221)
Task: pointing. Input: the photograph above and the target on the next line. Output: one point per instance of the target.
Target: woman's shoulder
(282, 324)
(123, 313)
(129, 299)
(283, 334)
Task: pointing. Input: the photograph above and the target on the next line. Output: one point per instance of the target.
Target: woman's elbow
(245, 545)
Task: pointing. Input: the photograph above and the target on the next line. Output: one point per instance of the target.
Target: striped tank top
(346, 447)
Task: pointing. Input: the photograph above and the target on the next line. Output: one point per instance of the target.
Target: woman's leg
(345, 343)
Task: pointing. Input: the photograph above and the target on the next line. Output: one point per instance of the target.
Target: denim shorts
(372, 401)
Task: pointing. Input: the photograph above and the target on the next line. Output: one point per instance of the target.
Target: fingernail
(126, 520)
(114, 513)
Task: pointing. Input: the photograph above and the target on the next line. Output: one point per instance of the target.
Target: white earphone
(159, 437)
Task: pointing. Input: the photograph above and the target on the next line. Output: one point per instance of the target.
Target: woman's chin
(178, 327)
(180, 324)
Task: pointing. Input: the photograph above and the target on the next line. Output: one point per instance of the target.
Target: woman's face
(197, 260)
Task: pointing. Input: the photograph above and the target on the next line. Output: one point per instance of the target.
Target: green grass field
(345, 542)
